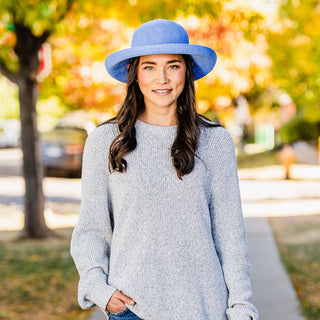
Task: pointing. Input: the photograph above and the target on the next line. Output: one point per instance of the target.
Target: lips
(162, 92)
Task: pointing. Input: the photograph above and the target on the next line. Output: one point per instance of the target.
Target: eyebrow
(168, 62)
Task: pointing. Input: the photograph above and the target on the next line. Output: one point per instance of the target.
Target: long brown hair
(184, 147)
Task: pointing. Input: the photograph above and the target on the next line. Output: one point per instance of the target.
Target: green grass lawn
(38, 279)
(298, 239)
(267, 158)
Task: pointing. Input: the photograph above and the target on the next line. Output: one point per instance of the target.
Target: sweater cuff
(239, 317)
(101, 295)
(242, 312)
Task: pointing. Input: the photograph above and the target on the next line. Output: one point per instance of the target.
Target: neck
(159, 119)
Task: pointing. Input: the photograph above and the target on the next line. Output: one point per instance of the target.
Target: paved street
(57, 190)
(62, 195)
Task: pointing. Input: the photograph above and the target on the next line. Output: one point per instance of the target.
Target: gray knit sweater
(177, 247)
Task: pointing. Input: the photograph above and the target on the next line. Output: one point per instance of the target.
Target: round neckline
(146, 131)
(155, 125)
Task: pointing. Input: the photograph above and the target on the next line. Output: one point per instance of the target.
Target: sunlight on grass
(38, 280)
(267, 158)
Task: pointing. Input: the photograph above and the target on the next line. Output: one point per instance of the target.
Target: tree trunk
(27, 50)
(35, 226)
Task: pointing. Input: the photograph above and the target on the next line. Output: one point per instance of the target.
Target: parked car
(62, 150)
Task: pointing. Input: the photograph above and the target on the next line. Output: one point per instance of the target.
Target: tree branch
(69, 5)
(68, 8)
(4, 70)
(41, 40)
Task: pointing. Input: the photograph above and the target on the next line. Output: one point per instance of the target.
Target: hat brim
(204, 58)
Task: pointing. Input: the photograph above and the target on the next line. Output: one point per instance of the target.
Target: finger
(115, 305)
(115, 299)
(126, 299)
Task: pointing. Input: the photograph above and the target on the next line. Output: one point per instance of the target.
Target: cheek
(181, 75)
(180, 78)
(143, 78)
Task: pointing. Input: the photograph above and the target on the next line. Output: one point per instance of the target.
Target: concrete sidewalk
(273, 293)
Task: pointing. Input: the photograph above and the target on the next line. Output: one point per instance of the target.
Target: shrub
(299, 129)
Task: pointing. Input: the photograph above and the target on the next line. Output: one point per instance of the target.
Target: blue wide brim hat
(161, 36)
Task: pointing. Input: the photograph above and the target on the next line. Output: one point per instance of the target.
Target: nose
(163, 77)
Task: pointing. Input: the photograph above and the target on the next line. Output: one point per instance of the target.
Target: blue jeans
(124, 314)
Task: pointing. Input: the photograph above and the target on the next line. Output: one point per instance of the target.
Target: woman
(160, 232)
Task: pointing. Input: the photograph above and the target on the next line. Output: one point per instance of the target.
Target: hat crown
(157, 32)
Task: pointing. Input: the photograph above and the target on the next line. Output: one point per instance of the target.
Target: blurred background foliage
(269, 56)
(294, 45)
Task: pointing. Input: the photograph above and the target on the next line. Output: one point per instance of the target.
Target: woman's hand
(117, 302)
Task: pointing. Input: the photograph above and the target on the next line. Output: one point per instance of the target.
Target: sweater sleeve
(228, 229)
(91, 238)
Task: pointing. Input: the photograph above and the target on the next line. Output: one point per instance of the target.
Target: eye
(173, 67)
(148, 68)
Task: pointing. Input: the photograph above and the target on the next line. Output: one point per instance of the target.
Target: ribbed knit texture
(178, 247)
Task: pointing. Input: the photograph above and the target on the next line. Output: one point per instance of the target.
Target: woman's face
(161, 79)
